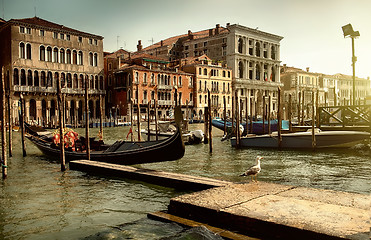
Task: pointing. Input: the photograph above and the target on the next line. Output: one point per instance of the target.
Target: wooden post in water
(302, 108)
(279, 118)
(148, 124)
(61, 106)
(237, 121)
(156, 120)
(313, 120)
(290, 113)
(4, 159)
(131, 120)
(10, 122)
(233, 115)
(264, 107)
(252, 100)
(101, 117)
(225, 116)
(299, 105)
(246, 116)
(210, 125)
(269, 114)
(206, 125)
(21, 123)
(87, 143)
(316, 109)
(138, 120)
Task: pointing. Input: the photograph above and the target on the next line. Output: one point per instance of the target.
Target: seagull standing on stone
(254, 170)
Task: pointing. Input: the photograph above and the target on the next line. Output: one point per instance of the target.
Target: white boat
(323, 139)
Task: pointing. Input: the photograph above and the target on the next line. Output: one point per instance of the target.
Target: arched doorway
(32, 110)
(43, 112)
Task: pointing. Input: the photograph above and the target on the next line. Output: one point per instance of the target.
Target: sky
(312, 31)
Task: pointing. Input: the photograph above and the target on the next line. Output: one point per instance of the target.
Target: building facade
(35, 53)
(213, 77)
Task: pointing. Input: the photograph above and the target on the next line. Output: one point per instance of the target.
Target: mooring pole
(252, 100)
(131, 119)
(3, 159)
(210, 125)
(138, 116)
(233, 115)
(290, 113)
(264, 115)
(313, 120)
(225, 116)
(247, 116)
(156, 120)
(101, 118)
(237, 120)
(148, 125)
(21, 123)
(302, 108)
(61, 120)
(279, 118)
(10, 122)
(87, 143)
(269, 115)
(206, 125)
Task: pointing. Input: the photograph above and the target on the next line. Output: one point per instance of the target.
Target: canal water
(38, 201)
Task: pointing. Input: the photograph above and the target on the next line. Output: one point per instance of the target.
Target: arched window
(180, 81)
(29, 78)
(91, 82)
(42, 53)
(63, 80)
(49, 54)
(42, 78)
(257, 49)
(273, 75)
(23, 77)
(101, 83)
(96, 85)
(28, 51)
(240, 69)
(74, 57)
(91, 59)
(68, 56)
(16, 77)
(55, 55)
(69, 80)
(174, 81)
(240, 45)
(36, 79)
(61, 56)
(257, 73)
(81, 81)
(95, 59)
(22, 50)
(75, 81)
(80, 62)
(49, 82)
(205, 71)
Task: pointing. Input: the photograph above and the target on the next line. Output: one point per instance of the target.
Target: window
(62, 59)
(42, 53)
(74, 57)
(196, 45)
(42, 33)
(49, 54)
(62, 36)
(21, 29)
(96, 42)
(55, 35)
(109, 80)
(180, 81)
(29, 78)
(80, 39)
(145, 78)
(90, 41)
(205, 44)
(22, 50)
(136, 77)
(199, 71)
(68, 37)
(36, 79)
(55, 54)
(80, 58)
(95, 59)
(224, 75)
(68, 56)
(28, 30)
(91, 59)
(205, 71)
(240, 45)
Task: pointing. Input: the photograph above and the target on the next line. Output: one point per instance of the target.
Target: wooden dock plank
(167, 179)
(268, 210)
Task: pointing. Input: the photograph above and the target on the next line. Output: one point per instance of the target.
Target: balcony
(165, 102)
(164, 87)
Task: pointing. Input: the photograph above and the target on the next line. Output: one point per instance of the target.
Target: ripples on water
(40, 202)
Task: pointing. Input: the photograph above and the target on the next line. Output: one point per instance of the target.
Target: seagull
(254, 170)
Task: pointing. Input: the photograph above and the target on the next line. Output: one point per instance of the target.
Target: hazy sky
(311, 29)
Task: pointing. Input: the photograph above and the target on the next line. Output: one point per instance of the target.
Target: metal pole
(354, 59)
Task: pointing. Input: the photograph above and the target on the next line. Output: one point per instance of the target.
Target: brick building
(36, 52)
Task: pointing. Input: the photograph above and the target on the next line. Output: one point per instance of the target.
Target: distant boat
(302, 140)
(257, 126)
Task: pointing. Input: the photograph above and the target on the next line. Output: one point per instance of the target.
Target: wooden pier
(167, 179)
(258, 210)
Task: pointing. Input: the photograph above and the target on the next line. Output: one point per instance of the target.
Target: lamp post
(348, 31)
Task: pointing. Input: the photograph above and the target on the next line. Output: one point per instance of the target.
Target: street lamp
(348, 31)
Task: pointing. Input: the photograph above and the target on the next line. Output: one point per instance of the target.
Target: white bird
(254, 170)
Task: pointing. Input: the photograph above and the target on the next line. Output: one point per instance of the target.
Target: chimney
(162, 43)
(228, 24)
(307, 69)
(139, 46)
(217, 29)
(190, 35)
(211, 32)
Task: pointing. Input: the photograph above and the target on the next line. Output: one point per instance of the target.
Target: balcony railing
(165, 102)
(164, 87)
(38, 89)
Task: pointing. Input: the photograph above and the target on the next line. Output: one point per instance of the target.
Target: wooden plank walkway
(167, 179)
(266, 210)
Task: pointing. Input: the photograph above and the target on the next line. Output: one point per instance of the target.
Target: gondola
(121, 152)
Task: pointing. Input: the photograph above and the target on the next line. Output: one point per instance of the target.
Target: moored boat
(302, 140)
